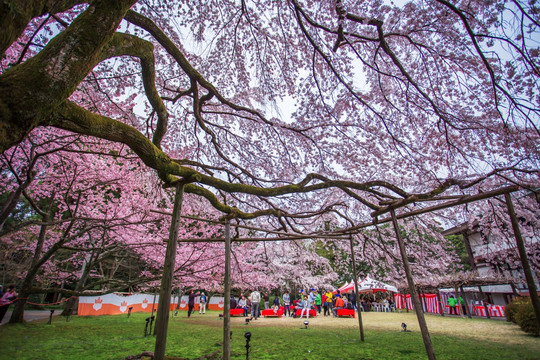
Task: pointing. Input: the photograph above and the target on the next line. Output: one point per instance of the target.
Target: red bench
(346, 312)
(237, 312)
(270, 313)
(312, 313)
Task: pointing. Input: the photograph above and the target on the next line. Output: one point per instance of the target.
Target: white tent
(368, 284)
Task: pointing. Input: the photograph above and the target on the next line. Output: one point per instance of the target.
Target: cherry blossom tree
(296, 109)
(77, 207)
(408, 105)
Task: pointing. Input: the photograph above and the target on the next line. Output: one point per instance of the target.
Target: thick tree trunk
(16, 14)
(18, 312)
(30, 92)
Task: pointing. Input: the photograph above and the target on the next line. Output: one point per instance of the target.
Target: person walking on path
(202, 304)
(255, 302)
(191, 302)
(286, 304)
(6, 300)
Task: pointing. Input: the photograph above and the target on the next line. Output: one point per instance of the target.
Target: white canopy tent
(366, 285)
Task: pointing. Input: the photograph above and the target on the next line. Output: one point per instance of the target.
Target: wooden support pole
(227, 294)
(412, 288)
(460, 312)
(355, 278)
(514, 290)
(524, 259)
(484, 298)
(154, 305)
(423, 300)
(470, 253)
(441, 305)
(469, 315)
(162, 316)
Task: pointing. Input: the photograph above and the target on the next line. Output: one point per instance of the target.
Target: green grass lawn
(115, 337)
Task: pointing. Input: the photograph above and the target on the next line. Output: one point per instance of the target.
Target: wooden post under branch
(460, 311)
(414, 296)
(162, 316)
(441, 305)
(423, 300)
(484, 299)
(404, 297)
(355, 278)
(466, 305)
(227, 294)
(524, 259)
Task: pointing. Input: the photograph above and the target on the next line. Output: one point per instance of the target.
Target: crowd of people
(327, 302)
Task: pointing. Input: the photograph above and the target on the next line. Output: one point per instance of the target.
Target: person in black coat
(352, 300)
(191, 302)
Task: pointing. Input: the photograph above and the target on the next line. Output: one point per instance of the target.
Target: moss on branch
(30, 91)
(16, 14)
(124, 44)
(74, 118)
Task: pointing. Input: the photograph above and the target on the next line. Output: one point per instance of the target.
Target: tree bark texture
(412, 288)
(162, 316)
(533, 292)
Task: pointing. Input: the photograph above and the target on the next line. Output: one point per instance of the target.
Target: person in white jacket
(202, 303)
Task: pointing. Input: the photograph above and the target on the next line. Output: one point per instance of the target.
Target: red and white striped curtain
(429, 302)
(403, 301)
(431, 305)
(494, 310)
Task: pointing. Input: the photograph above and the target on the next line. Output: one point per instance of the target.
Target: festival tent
(375, 285)
(368, 285)
(345, 288)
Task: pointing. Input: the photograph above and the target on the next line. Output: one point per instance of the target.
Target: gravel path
(30, 315)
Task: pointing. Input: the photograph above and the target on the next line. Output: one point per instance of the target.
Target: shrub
(526, 319)
(521, 312)
(514, 307)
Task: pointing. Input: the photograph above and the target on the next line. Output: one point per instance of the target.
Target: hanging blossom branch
(104, 43)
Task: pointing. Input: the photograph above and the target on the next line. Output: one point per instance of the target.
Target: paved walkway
(31, 315)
